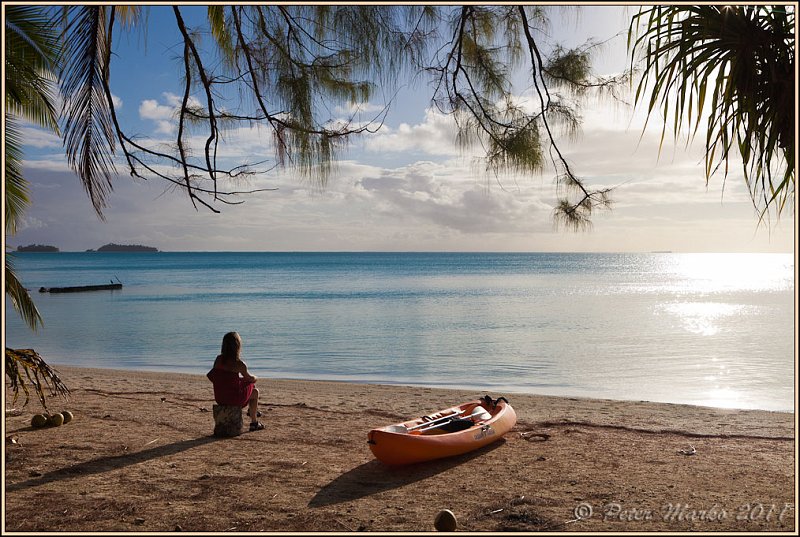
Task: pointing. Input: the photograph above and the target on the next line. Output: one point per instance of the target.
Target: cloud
(36, 137)
(424, 205)
(161, 114)
(440, 195)
(614, 151)
(54, 163)
(29, 222)
(359, 108)
(150, 109)
(164, 115)
(435, 136)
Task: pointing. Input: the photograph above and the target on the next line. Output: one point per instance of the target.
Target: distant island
(37, 248)
(111, 247)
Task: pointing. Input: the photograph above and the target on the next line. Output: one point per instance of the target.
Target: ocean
(702, 329)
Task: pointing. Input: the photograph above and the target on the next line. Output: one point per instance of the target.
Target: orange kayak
(452, 431)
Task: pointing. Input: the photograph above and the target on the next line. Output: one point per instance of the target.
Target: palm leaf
(32, 50)
(31, 54)
(17, 199)
(20, 298)
(88, 126)
(37, 374)
(742, 57)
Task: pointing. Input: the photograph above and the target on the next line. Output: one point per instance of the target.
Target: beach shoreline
(139, 456)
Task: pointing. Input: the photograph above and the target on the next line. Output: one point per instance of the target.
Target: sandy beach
(140, 457)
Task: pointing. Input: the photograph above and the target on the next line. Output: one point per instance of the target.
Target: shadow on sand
(374, 477)
(107, 464)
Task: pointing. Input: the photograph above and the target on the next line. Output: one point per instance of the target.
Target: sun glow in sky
(407, 187)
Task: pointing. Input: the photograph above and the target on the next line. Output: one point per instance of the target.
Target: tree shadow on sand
(108, 464)
(374, 477)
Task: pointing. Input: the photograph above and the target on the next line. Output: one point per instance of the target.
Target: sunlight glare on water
(703, 318)
(722, 398)
(708, 273)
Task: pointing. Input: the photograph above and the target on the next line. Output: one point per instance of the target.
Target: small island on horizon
(111, 247)
(37, 248)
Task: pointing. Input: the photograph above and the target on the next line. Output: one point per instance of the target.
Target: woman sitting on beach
(229, 387)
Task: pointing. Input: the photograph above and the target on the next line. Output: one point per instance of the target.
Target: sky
(407, 187)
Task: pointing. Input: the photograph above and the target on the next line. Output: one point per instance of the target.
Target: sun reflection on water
(702, 318)
(722, 397)
(705, 273)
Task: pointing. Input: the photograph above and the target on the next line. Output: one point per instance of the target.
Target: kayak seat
(457, 424)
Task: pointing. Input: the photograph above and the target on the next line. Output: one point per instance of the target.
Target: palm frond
(741, 59)
(20, 298)
(31, 55)
(89, 134)
(24, 368)
(17, 191)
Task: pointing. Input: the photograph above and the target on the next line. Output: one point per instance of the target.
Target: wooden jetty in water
(81, 288)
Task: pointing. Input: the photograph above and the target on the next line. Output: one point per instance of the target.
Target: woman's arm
(241, 367)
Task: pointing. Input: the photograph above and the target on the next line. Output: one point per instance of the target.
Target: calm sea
(707, 329)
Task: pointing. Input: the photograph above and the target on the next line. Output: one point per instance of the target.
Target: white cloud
(447, 196)
(436, 136)
(35, 137)
(161, 114)
(150, 109)
(57, 164)
(164, 114)
(359, 109)
(30, 223)
(421, 206)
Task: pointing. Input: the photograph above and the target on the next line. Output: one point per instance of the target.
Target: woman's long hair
(231, 347)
